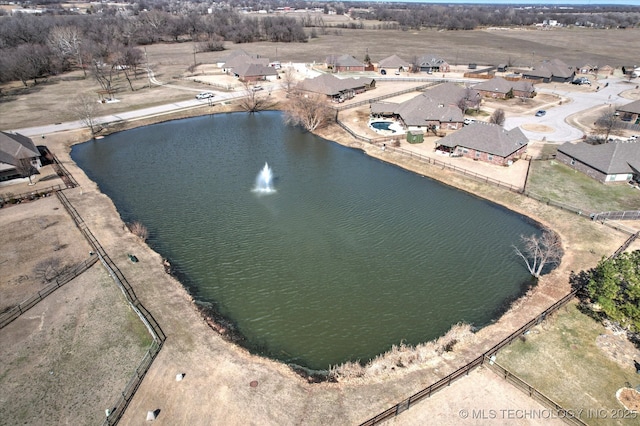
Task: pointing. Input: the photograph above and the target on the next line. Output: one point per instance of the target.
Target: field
(92, 321)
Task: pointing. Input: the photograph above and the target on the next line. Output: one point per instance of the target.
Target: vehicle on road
(541, 113)
(256, 88)
(205, 95)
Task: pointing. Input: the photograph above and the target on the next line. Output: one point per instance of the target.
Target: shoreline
(334, 134)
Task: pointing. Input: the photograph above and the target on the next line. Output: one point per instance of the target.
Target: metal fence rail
(619, 215)
(391, 95)
(8, 317)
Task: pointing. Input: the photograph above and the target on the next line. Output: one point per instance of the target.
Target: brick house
(607, 163)
(500, 88)
(337, 89)
(485, 142)
(344, 63)
(629, 112)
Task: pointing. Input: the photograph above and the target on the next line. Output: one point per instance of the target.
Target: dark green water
(349, 256)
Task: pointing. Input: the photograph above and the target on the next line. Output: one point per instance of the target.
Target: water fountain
(264, 180)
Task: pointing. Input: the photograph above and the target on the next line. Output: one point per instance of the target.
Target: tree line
(37, 46)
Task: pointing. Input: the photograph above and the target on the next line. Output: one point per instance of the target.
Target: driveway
(556, 116)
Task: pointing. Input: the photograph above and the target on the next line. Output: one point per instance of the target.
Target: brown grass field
(69, 357)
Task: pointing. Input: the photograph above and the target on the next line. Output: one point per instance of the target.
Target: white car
(205, 95)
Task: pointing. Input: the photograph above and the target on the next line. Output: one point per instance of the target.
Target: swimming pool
(382, 125)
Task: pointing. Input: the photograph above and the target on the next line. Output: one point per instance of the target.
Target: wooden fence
(115, 413)
(567, 416)
(463, 371)
(9, 198)
(7, 317)
(390, 95)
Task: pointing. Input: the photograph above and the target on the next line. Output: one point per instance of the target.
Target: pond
(343, 257)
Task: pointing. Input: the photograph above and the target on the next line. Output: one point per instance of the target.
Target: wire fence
(619, 215)
(8, 317)
(114, 414)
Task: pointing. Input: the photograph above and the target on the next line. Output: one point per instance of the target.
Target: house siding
(489, 158)
(581, 167)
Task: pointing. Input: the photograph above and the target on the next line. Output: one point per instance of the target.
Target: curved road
(557, 115)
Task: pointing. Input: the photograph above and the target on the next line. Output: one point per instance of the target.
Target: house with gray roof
(15, 151)
(629, 112)
(344, 63)
(242, 60)
(435, 109)
(233, 56)
(393, 63)
(549, 71)
(254, 72)
(501, 88)
(337, 89)
(485, 142)
(607, 163)
(432, 63)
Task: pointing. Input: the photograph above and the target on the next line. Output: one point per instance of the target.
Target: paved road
(554, 119)
(580, 101)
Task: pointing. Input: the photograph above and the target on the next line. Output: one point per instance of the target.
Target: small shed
(415, 136)
(473, 66)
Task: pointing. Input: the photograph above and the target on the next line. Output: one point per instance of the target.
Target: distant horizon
(517, 2)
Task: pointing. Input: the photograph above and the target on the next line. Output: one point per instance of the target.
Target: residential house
(393, 63)
(607, 163)
(230, 66)
(501, 88)
(605, 70)
(233, 55)
(485, 142)
(344, 63)
(436, 109)
(17, 152)
(629, 112)
(250, 72)
(550, 71)
(337, 89)
(432, 63)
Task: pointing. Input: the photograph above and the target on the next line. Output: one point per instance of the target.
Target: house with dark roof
(550, 71)
(629, 112)
(232, 64)
(233, 56)
(435, 109)
(485, 142)
(249, 72)
(500, 88)
(393, 63)
(337, 89)
(432, 63)
(344, 63)
(607, 163)
(17, 152)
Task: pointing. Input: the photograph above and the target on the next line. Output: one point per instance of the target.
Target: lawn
(561, 359)
(559, 182)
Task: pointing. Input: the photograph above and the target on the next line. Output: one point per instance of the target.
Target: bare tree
(254, 99)
(84, 108)
(310, 112)
(66, 43)
(288, 80)
(541, 251)
(606, 122)
(497, 117)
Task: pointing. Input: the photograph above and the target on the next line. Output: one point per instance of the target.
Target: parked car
(581, 81)
(205, 95)
(633, 138)
(468, 121)
(256, 88)
(541, 113)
